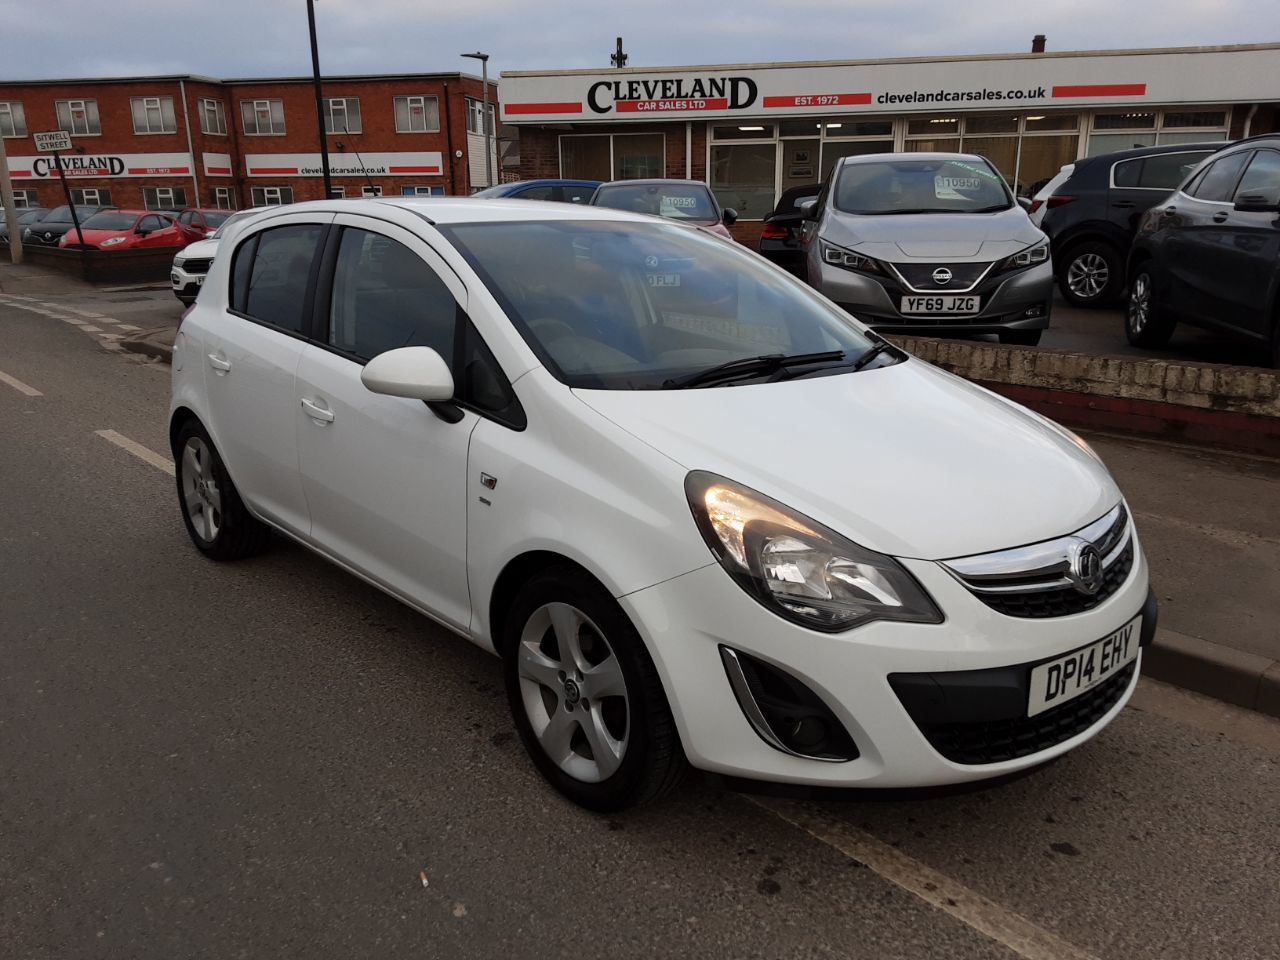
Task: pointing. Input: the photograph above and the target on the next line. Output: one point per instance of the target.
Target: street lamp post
(315, 79)
(487, 121)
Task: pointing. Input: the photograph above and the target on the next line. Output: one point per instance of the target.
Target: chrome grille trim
(897, 274)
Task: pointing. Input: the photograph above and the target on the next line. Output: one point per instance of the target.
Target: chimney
(1037, 43)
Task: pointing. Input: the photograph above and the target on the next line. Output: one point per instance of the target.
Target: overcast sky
(240, 38)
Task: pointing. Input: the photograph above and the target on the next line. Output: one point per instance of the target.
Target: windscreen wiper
(871, 354)
(749, 367)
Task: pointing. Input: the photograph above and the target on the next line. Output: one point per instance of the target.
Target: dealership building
(754, 130)
(168, 142)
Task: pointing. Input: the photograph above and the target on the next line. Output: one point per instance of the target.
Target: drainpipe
(448, 142)
(1248, 121)
(688, 149)
(186, 122)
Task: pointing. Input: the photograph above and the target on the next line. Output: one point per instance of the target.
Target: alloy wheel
(1139, 311)
(1088, 275)
(200, 490)
(573, 692)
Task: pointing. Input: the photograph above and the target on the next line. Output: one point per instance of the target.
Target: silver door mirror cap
(808, 208)
(418, 373)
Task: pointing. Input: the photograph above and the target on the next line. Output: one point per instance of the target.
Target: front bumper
(186, 286)
(1012, 301)
(688, 620)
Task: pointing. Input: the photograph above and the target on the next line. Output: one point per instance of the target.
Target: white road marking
(111, 336)
(138, 450)
(89, 328)
(74, 321)
(129, 326)
(1022, 936)
(101, 319)
(18, 385)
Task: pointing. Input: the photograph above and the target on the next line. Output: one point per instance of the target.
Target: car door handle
(219, 364)
(1170, 211)
(1123, 204)
(1220, 216)
(316, 412)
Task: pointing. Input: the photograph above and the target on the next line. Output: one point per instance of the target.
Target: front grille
(994, 741)
(920, 275)
(1065, 601)
(196, 266)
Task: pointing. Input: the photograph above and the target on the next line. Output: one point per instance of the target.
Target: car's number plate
(663, 279)
(946, 304)
(1080, 670)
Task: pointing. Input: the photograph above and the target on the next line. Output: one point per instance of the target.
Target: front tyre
(1145, 324)
(215, 517)
(585, 695)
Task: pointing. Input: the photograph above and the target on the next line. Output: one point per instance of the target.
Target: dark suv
(1209, 254)
(1092, 215)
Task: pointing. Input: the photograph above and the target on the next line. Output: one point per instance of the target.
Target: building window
(620, 156)
(742, 176)
(417, 114)
(91, 197)
(262, 118)
(272, 196)
(78, 117)
(13, 121)
(164, 198)
(374, 191)
(342, 115)
(337, 193)
(224, 198)
(24, 198)
(475, 116)
(153, 115)
(1027, 150)
(213, 117)
(423, 191)
(1122, 129)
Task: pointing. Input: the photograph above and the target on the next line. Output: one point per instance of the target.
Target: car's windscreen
(110, 221)
(632, 306)
(673, 201)
(233, 219)
(920, 186)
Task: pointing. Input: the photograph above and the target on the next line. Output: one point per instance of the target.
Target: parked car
(1040, 196)
(1091, 216)
(202, 221)
(191, 264)
(26, 216)
(690, 202)
(1209, 254)
(781, 238)
(126, 230)
(48, 230)
(850, 568)
(563, 191)
(929, 243)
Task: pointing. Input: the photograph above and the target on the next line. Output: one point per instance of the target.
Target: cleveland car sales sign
(344, 164)
(103, 165)
(895, 86)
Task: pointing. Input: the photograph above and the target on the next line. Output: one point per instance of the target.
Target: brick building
(169, 142)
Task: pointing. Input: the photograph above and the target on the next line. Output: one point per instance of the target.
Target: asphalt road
(267, 759)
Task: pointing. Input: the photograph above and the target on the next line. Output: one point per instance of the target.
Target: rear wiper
(749, 367)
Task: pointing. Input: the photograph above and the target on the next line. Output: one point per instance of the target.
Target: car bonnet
(933, 236)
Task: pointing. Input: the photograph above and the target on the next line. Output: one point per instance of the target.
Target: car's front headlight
(798, 568)
(111, 241)
(1026, 258)
(840, 257)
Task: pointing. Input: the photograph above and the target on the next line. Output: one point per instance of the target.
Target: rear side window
(271, 275)
(536, 193)
(1218, 182)
(1262, 179)
(576, 194)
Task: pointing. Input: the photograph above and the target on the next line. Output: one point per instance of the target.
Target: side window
(1166, 170)
(537, 193)
(151, 224)
(1128, 173)
(185, 218)
(1219, 179)
(1262, 179)
(386, 296)
(271, 275)
(578, 194)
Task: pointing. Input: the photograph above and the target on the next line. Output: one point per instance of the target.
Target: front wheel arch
(519, 571)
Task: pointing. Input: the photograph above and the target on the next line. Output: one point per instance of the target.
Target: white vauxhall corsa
(700, 513)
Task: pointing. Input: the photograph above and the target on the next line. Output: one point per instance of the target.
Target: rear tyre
(585, 695)
(215, 517)
(1145, 323)
(1092, 275)
(1021, 338)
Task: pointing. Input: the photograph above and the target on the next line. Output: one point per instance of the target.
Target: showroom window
(271, 196)
(417, 114)
(224, 198)
(213, 117)
(91, 197)
(1123, 129)
(618, 156)
(24, 198)
(262, 118)
(164, 198)
(13, 120)
(342, 115)
(1027, 150)
(153, 115)
(78, 117)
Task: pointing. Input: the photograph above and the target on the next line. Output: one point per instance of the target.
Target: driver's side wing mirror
(418, 373)
(809, 209)
(729, 216)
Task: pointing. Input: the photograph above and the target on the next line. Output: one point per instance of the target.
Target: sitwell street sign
(53, 142)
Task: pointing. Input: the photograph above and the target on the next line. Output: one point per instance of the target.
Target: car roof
(451, 210)
(653, 181)
(893, 157)
(1115, 155)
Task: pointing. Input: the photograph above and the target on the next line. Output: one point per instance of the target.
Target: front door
(1248, 247)
(385, 477)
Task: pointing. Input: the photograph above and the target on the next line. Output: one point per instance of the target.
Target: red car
(127, 230)
(201, 222)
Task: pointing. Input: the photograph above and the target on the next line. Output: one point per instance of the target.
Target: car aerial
(126, 230)
(25, 217)
(1209, 253)
(929, 243)
(563, 191)
(1091, 214)
(782, 235)
(191, 264)
(202, 221)
(690, 202)
(48, 230)
(698, 511)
